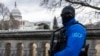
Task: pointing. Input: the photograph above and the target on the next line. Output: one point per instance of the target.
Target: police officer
(75, 33)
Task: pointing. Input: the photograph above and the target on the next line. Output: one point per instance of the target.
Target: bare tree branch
(84, 4)
(4, 12)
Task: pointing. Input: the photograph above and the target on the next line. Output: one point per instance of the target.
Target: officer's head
(68, 13)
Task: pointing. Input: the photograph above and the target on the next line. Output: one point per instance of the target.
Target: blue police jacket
(76, 35)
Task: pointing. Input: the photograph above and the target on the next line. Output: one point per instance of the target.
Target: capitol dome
(16, 13)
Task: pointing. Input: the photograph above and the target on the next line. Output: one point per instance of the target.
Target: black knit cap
(68, 9)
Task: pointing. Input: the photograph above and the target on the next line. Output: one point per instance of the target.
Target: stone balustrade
(37, 43)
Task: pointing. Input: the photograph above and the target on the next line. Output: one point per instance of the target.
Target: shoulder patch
(76, 35)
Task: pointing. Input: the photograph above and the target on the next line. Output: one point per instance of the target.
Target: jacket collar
(67, 24)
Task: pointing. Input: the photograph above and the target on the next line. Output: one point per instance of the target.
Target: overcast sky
(31, 10)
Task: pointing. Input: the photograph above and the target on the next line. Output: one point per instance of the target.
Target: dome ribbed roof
(15, 12)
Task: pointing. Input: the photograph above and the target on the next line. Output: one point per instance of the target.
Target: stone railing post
(47, 47)
(7, 49)
(32, 49)
(20, 47)
(97, 47)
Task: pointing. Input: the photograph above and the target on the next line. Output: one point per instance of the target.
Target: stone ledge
(25, 35)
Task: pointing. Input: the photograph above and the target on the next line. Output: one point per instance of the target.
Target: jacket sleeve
(76, 35)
